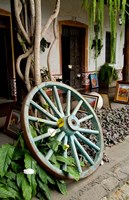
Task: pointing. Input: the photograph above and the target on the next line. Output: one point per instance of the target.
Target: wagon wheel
(58, 125)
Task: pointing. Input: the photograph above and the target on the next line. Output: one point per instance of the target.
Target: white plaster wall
(72, 10)
(5, 5)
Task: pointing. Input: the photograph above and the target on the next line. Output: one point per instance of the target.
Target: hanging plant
(95, 10)
(97, 45)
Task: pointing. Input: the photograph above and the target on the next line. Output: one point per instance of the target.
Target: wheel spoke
(75, 154)
(85, 118)
(38, 107)
(51, 104)
(57, 99)
(48, 134)
(40, 137)
(77, 107)
(89, 131)
(65, 151)
(37, 119)
(50, 152)
(87, 141)
(68, 103)
(82, 150)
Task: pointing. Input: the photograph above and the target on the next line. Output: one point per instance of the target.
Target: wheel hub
(73, 122)
(71, 125)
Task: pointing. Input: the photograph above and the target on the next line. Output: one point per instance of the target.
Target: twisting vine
(30, 36)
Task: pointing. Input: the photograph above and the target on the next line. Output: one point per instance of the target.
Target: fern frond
(6, 155)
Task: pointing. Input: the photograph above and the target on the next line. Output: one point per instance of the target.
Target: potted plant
(106, 75)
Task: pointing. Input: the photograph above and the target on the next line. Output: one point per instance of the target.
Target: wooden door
(6, 57)
(72, 54)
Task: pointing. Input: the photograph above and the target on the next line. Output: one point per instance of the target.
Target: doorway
(6, 56)
(73, 54)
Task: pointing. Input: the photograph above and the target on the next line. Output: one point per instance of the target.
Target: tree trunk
(126, 49)
(37, 74)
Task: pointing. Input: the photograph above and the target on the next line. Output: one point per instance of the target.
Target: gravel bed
(115, 124)
(115, 127)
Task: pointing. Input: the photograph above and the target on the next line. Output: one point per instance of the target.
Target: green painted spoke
(89, 131)
(87, 141)
(40, 137)
(58, 103)
(51, 104)
(82, 150)
(65, 151)
(37, 119)
(68, 103)
(75, 154)
(85, 118)
(51, 132)
(43, 110)
(50, 152)
(77, 107)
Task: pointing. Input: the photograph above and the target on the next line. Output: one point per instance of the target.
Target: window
(108, 47)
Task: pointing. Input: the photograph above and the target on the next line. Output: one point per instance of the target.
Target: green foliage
(44, 44)
(30, 163)
(14, 184)
(107, 74)
(6, 153)
(62, 186)
(95, 10)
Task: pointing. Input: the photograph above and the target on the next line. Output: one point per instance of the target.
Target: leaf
(18, 154)
(54, 161)
(19, 179)
(62, 186)
(12, 184)
(51, 180)
(40, 196)
(6, 154)
(3, 181)
(33, 131)
(31, 163)
(54, 145)
(68, 160)
(42, 174)
(8, 192)
(26, 190)
(43, 128)
(24, 185)
(16, 167)
(22, 143)
(73, 171)
(16, 194)
(11, 175)
(4, 193)
(45, 188)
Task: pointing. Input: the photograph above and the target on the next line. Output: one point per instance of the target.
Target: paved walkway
(120, 194)
(102, 184)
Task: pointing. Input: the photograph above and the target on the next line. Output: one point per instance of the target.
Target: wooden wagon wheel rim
(63, 124)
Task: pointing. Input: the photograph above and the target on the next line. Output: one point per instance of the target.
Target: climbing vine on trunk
(30, 35)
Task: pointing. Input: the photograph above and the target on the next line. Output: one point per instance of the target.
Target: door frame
(85, 54)
(12, 74)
